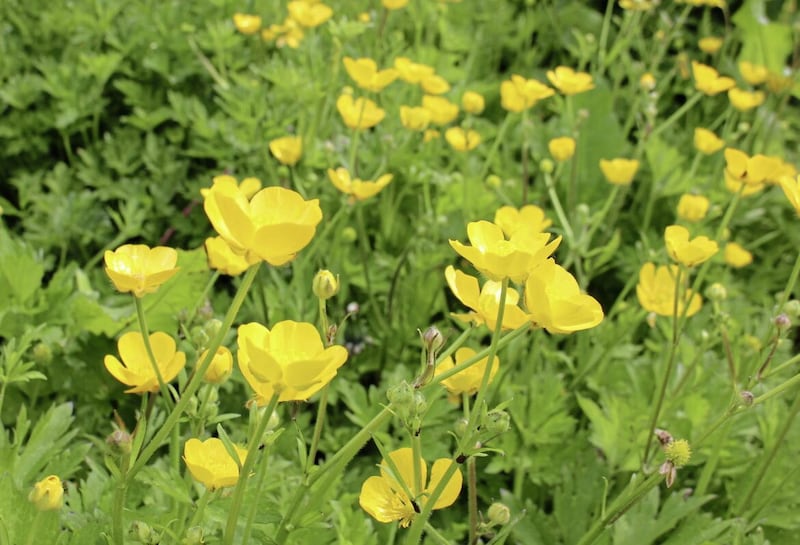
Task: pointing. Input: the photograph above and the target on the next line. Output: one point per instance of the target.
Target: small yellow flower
(288, 360)
(412, 72)
(518, 93)
(484, 302)
(570, 82)
(356, 188)
(710, 44)
(791, 188)
(309, 14)
(221, 366)
(647, 81)
(394, 4)
(442, 110)
(689, 252)
(430, 134)
(434, 84)
(499, 257)
(360, 113)
(755, 170)
(364, 17)
(619, 171)
(678, 452)
(656, 291)
(385, 499)
(210, 463)
(47, 494)
(745, 100)
(754, 74)
(248, 187)
(469, 380)
(136, 369)
(246, 24)
(736, 256)
(708, 81)
(415, 118)
(529, 217)
(287, 149)
(555, 301)
(473, 102)
(365, 73)
(223, 259)
(462, 139)
(562, 148)
(139, 269)
(706, 142)
(692, 207)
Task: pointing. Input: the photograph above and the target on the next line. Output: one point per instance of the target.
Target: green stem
(118, 507)
(318, 425)
(601, 50)
(149, 349)
(677, 114)
(252, 509)
(207, 496)
(421, 520)
(244, 474)
(495, 146)
(472, 500)
(416, 449)
(436, 536)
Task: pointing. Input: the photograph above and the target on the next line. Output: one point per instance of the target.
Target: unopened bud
(349, 234)
(194, 536)
(325, 285)
(547, 166)
(42, 354)
(221, 366)
(47, 494)
(499, 514)
(401, 396)
(432, 339)
(461, 426)
(143, 533)
(717, 292)
(212, 327)
(119, 441)
(494, 181)
(353, 307)
(782, 322)
(497, 422)
(664, 437)
(792, 309)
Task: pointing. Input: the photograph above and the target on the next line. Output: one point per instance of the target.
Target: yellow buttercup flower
(518, 93)
(287, 149)
(469, 380)
(737, 256)
(365, 73)
(221, 365)
(484, 302)
(223, 259)
(754, 74)
(689, 252)
(708, 81)
(415, 118)
(394, 4)
(136, 369)
(499, 257)
(619, 171)
(706, 142)
(392, 497)
(791, 188)
(473, 102)
(430, 134)
(288, 360)
(529, 217)
(647, 81)
(462, 139)
(656, 291)
(755, 170)
(245, 23)
(248, 187)
(290, 33)
(356, 188)
(745, 100)
(47, 494)
(412, 72)
(692, 207)
(309, 14)
(562, 148)
(434, 84)
(273, 226)
(211, 464)
(360, 113)
(442, 110)
(139, 269)
(570, 82)
(710, 44)
(555, 301)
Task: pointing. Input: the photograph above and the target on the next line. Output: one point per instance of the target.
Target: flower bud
(499, 513)
(349, 234)
(47, 494)
(199, 337)
(461, 426)
(353, 307)
(782, 322)
(792, 309)
(42, 354)
(494, 181)
(194, 536)
(221, 366)
(401, 396)
(212, 327)
(547, 166)
(432, 339)
(747, 397)
(119, 441)
(717, 292)
(144, 533)
(497, 422)
(325, 285)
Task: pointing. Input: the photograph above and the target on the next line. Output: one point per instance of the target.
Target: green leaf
(50, 435)
(763, 41)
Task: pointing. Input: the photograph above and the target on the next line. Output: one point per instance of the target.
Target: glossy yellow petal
(453, 487)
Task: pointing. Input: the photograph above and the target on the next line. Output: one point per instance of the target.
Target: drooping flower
(518, 93)
(289, 360)
(689, 252)
(210, 463)
(529, 217)
(360, 113)
(412, 72)
(221, 365)
(469, 380)
(745, 100)
(562, 148)
(555, 301)
(570, 82)
(461, 139)
(415, 118)
(356, 188)
(708, 81)
(136, 369)
(442, 110)
(710, 44)
(706, 142)
(139, 269)
(619, 171)
(656, 291)
(484, 302)
(223, 259)
(754, 74)
(692, 207)
(392, 497)
(47, 494)
(273, 226)
(365, 73)
(791, 188)
(309, 14)
(287, 149)
(737, 256)
(434, 84)
(499, 257)
(245, 23)
(473, 102)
